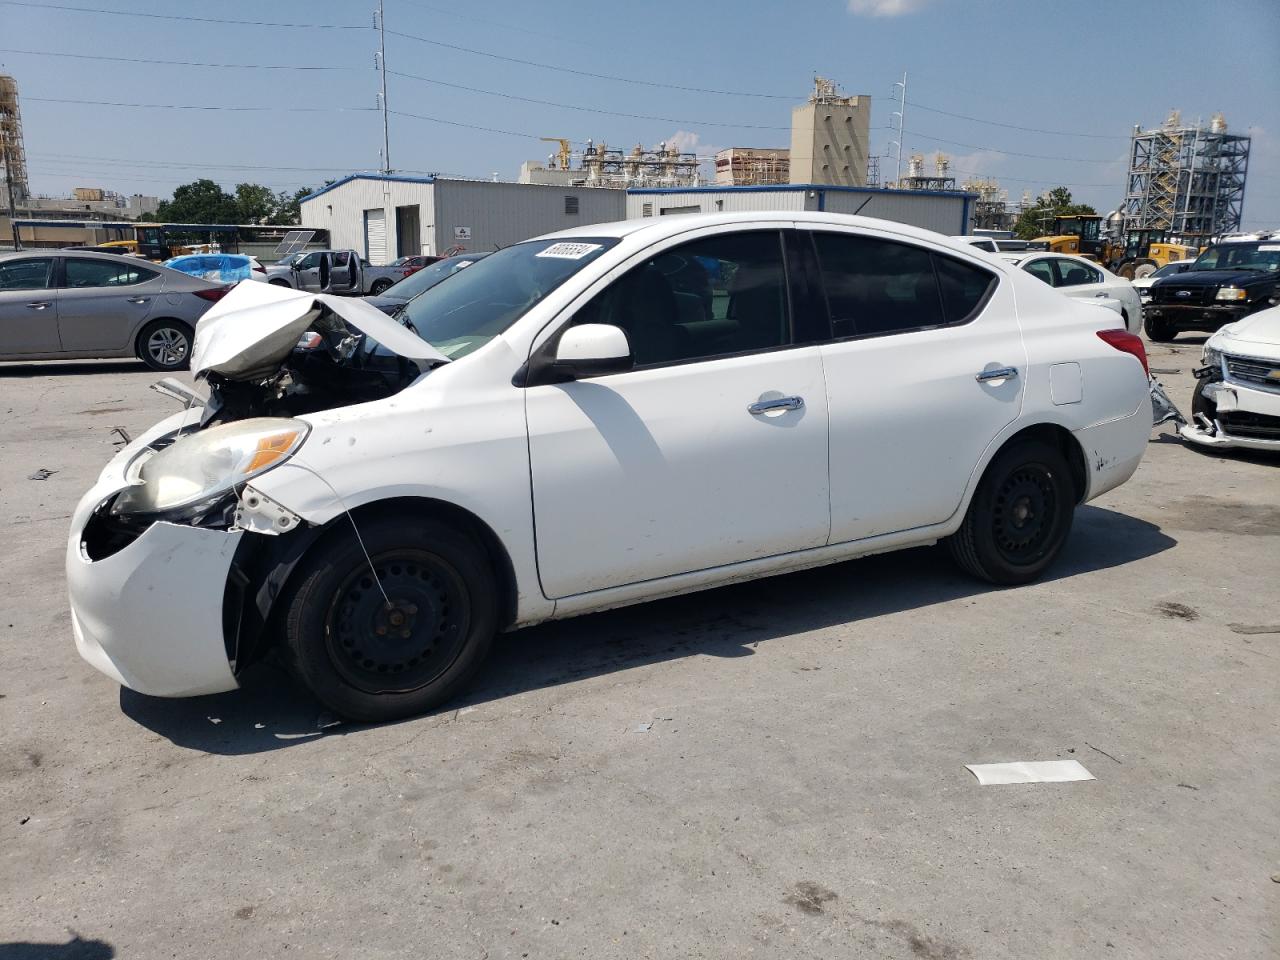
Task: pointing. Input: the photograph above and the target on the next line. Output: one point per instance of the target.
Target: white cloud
(686, 141)
(885, 8)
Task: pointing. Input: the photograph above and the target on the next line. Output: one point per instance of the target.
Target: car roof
(659, 227)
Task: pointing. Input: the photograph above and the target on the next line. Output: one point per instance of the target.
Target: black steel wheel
(402, 630)
(1019, 517)
(395, 633)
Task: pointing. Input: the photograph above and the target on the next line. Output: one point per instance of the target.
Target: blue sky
(1085, 70)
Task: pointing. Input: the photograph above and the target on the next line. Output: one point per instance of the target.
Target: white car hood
(1257, 335)
(249, 332)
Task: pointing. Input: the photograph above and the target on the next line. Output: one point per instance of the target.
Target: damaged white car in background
(1237, 398)
(587, 420)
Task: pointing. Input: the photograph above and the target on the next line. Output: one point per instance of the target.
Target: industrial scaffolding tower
(13, 156)
(1186, 180)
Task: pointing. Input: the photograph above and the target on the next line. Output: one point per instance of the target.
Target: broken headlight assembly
(200, 470)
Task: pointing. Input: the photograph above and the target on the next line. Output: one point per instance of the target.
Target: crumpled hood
(248, 333)
(1258, 334)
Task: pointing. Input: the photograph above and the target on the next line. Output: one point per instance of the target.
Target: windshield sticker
(569, 251)
(1269, 248)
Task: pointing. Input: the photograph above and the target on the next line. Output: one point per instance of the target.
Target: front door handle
(781, 403)
(139, 299)
(999, 373)
(39, 305)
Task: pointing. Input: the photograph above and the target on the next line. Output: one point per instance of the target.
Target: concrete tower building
(829, 137)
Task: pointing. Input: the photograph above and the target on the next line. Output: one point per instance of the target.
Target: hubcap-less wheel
(1023, 517)
(402, 647)
(168, 347)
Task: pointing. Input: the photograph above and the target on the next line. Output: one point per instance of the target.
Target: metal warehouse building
(385, 216)
(947, 212)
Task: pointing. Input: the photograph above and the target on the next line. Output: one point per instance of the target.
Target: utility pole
(382, 67)
(902, 122)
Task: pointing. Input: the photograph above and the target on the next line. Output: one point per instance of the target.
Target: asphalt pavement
(773, 769)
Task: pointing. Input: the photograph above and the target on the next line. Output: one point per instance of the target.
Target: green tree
(201, 201)
(1037, 220)
(254, 203)
(288, 207)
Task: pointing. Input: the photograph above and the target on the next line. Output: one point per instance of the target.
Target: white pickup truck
(316, 269)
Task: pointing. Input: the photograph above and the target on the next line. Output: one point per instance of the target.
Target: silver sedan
(63, 304)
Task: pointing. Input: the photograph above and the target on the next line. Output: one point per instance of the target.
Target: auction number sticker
(569, 251)
(1268, 247)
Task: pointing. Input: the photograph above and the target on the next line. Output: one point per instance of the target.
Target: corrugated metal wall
(341, 211)
(730, 201)
(481, 215)
(943, 213)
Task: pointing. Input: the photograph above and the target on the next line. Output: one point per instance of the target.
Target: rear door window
(1041, 270)
(1072, 273)
(104, 273)
(876, 286)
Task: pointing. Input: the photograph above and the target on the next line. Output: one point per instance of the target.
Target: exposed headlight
(1211, 357)
(1232, 293)
(203, 466)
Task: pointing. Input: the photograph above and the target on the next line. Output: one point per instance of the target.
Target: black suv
(1233, 278)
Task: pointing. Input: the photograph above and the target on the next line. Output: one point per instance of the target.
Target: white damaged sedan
(596, 418)
(1237, 399)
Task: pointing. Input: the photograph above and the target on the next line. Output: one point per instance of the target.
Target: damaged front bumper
(164, 607)
(1244, 418)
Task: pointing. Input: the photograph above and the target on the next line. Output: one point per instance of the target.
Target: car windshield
(1169, 269)
(429, 276)
(485, 299)
(1240, 256)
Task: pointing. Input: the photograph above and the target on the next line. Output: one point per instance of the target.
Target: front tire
(165, 345)
(368, 662)
(1200, 403)
(280, 283)
(1160, 330)
(1019, 517)
(379, 287)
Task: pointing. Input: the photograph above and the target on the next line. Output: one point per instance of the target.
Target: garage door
(375, 236)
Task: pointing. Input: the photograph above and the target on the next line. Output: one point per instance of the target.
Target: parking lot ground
(772, 770)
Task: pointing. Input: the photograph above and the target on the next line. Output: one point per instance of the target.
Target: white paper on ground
(1029, 771)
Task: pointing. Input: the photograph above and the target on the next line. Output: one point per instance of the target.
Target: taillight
(1126, 342)
(213, 294)
(259, 268)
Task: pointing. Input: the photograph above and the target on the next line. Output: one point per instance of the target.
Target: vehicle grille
(1261, 372)
(1198, 296)
(1253, 426)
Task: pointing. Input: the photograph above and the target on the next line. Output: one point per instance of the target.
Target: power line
(175, 63)
(586, 73)
(570, 106)
(192, 106)
(1014, 126)
(189, 19)
(1007, 153)
(469, 126)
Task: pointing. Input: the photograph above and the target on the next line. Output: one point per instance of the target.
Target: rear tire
(1019, 517)
(379, 287)
(165, 345)
(1143, 270)
(370, 663)
(1160, 330)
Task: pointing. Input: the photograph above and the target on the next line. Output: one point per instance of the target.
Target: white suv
(595, 418)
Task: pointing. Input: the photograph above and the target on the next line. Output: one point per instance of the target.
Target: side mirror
(588, 350)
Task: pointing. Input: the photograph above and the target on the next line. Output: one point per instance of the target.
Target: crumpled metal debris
(44, 473)
(1162, 408)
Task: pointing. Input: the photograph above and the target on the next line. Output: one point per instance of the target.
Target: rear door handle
(999, 373)
(39, 305)
(781, 403)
